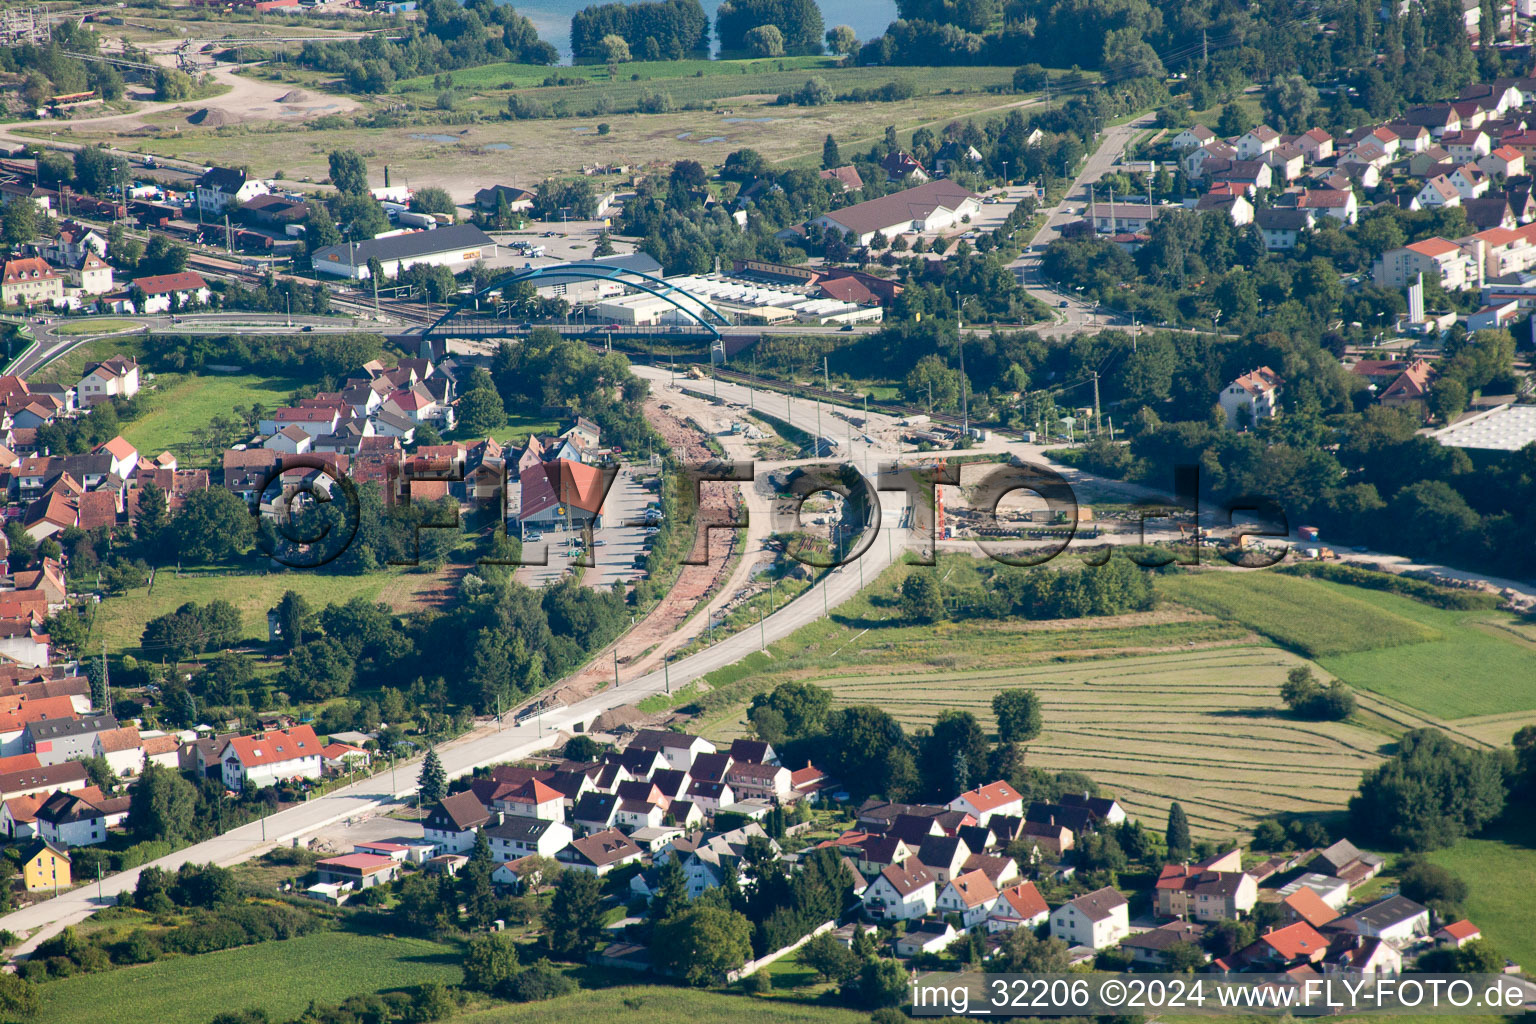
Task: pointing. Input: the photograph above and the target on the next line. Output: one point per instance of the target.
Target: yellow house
(44, 866)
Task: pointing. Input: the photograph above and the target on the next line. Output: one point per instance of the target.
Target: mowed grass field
(657, 1004)
(1202, 726)
(181, 405)
(279, 977)
(121, 620)
(1297, 613)
(70, 367)
(1500, 872)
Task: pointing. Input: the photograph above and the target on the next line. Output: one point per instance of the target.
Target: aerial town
(763, 509)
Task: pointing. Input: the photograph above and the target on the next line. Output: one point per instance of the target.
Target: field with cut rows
(1202, 726)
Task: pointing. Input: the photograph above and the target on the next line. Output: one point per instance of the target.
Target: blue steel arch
(648, 283)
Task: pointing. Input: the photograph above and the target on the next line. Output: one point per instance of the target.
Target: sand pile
(295, 96)
(210, 118)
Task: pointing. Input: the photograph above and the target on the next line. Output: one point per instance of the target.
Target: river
(867, 18)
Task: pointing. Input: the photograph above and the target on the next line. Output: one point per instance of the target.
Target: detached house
(1097, 920)
(1205, 895)
(453, 821)
(901, 892)
(31, 282)
(985, 801)
(162, 292)
(519, 836)
(1252, 145)
(221, 186)
(269, 757)
(1018, 906)
(600, 853)
(1252, 397)
(971, 895)
(117, 377)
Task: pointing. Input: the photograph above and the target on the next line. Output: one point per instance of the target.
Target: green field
(1500, 871)
(280, 977)
(183, 404)
(655, 1004)
(1297, 613)
(1479, 665)
(94, 326)
(120, 620)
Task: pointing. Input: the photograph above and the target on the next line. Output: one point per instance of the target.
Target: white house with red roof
(158, 293)
(1457, 933)
(1252, 397)
(1457, 266)
(985, 801)
(270, 757)
(971, 895)
(343, 756)
(357, 870)
(1018, 906)
(901, 892)
(117, 377)
(534, 799)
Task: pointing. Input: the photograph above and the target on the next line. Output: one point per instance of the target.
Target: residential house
(1116, 218)
(901, 892)
(1250, 398)
(1282, 228)
(31, 282)
(1196, 161)
(707, 862)
(1018, 906)
(1253, 144)
(521, 836)
(1470, 180)
(1194, 136)
(1470, 144)
(1437, 192)
(44, 866)
(1334, 892)
(92, 273)
(1457, 267)
(161, 293)
(1105, 810)
(1288, 160)
(944, 856)
(846, 175)
(1340, 204)
(220, 187)
(902, 166)
(1505, 160)
(1409, 391)
(453, 821)
(70, 776)
(1316, 144)
(518, 200)
(753, 752)
(1150, 948)
(1204, 895)
(1306, 905)
(1490, 211)
(1047, 840)
(1282, 948)
(1360, 955)
(269, 757)
(971, 895)
(117, 377)
(932, 207)
(56, 740)
(956, 155)
(985, 801)
(927, 937)
(600, 852)
(68, 819)
(1457, 934)
(1097, 920)
(596, 812)
(759, 781)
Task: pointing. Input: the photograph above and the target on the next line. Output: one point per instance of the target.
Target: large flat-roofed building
(1492, 434)
(935, 206)
(455, 247)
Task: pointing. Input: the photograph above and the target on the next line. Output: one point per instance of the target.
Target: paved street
(615, 544)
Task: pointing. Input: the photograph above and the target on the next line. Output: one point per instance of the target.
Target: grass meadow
(281, 977)
(182, 405)
(1500, 872)
(70, 367)
(656, 1004)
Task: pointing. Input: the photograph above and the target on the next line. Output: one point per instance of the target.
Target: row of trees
(655, 30)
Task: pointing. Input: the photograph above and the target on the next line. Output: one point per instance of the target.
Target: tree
(1289, 102)
(1308, 698)
(164, 256)
(1184, 957)
(1023, 953)
(1179, 845)
(842, 40)
(880, 983)
(433, 200)
(1476, 957)
(802, 707)
(1019, 718)
(671, 896)
(701, 943)
(765, 41)
(1223, 938)
(481, 411)
(829, 958)
(213, 525)
(1448, 399)
(163, 806)
(153, 516)
(1431, 793)
(172, 85)
(582, 748)
(477, 893)
(295, 619)
(18, 998)
(433, 780)
(615, 50)
(18, 224)
(921, 600)
(349, 172)
(490, 960)
(573, 924)
(830, 155)
(1434, 886)
(1234, 120)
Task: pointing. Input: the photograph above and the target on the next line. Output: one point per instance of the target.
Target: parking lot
(615, 545)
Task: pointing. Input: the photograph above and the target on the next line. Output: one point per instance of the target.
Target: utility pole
(762, 629)
(615, 667)
(106, 680)
(826, 375)
(1098, 423)
(965, 410)
(666, 671)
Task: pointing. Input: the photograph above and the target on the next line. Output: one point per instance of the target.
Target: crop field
(328, 967)
(654, 1004)
(1201, 725)
(1296, 613)
(184, 404)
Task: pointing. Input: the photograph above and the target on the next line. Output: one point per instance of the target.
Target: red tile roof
(990, 796)
(161, 284)
(1296, 942)
(1462, 930)
(276, 746)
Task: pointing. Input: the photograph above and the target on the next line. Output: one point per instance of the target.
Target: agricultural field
(654, 1004)
(1295, 613)
(327, 967)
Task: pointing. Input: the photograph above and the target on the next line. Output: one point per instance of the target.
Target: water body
(868, 18)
